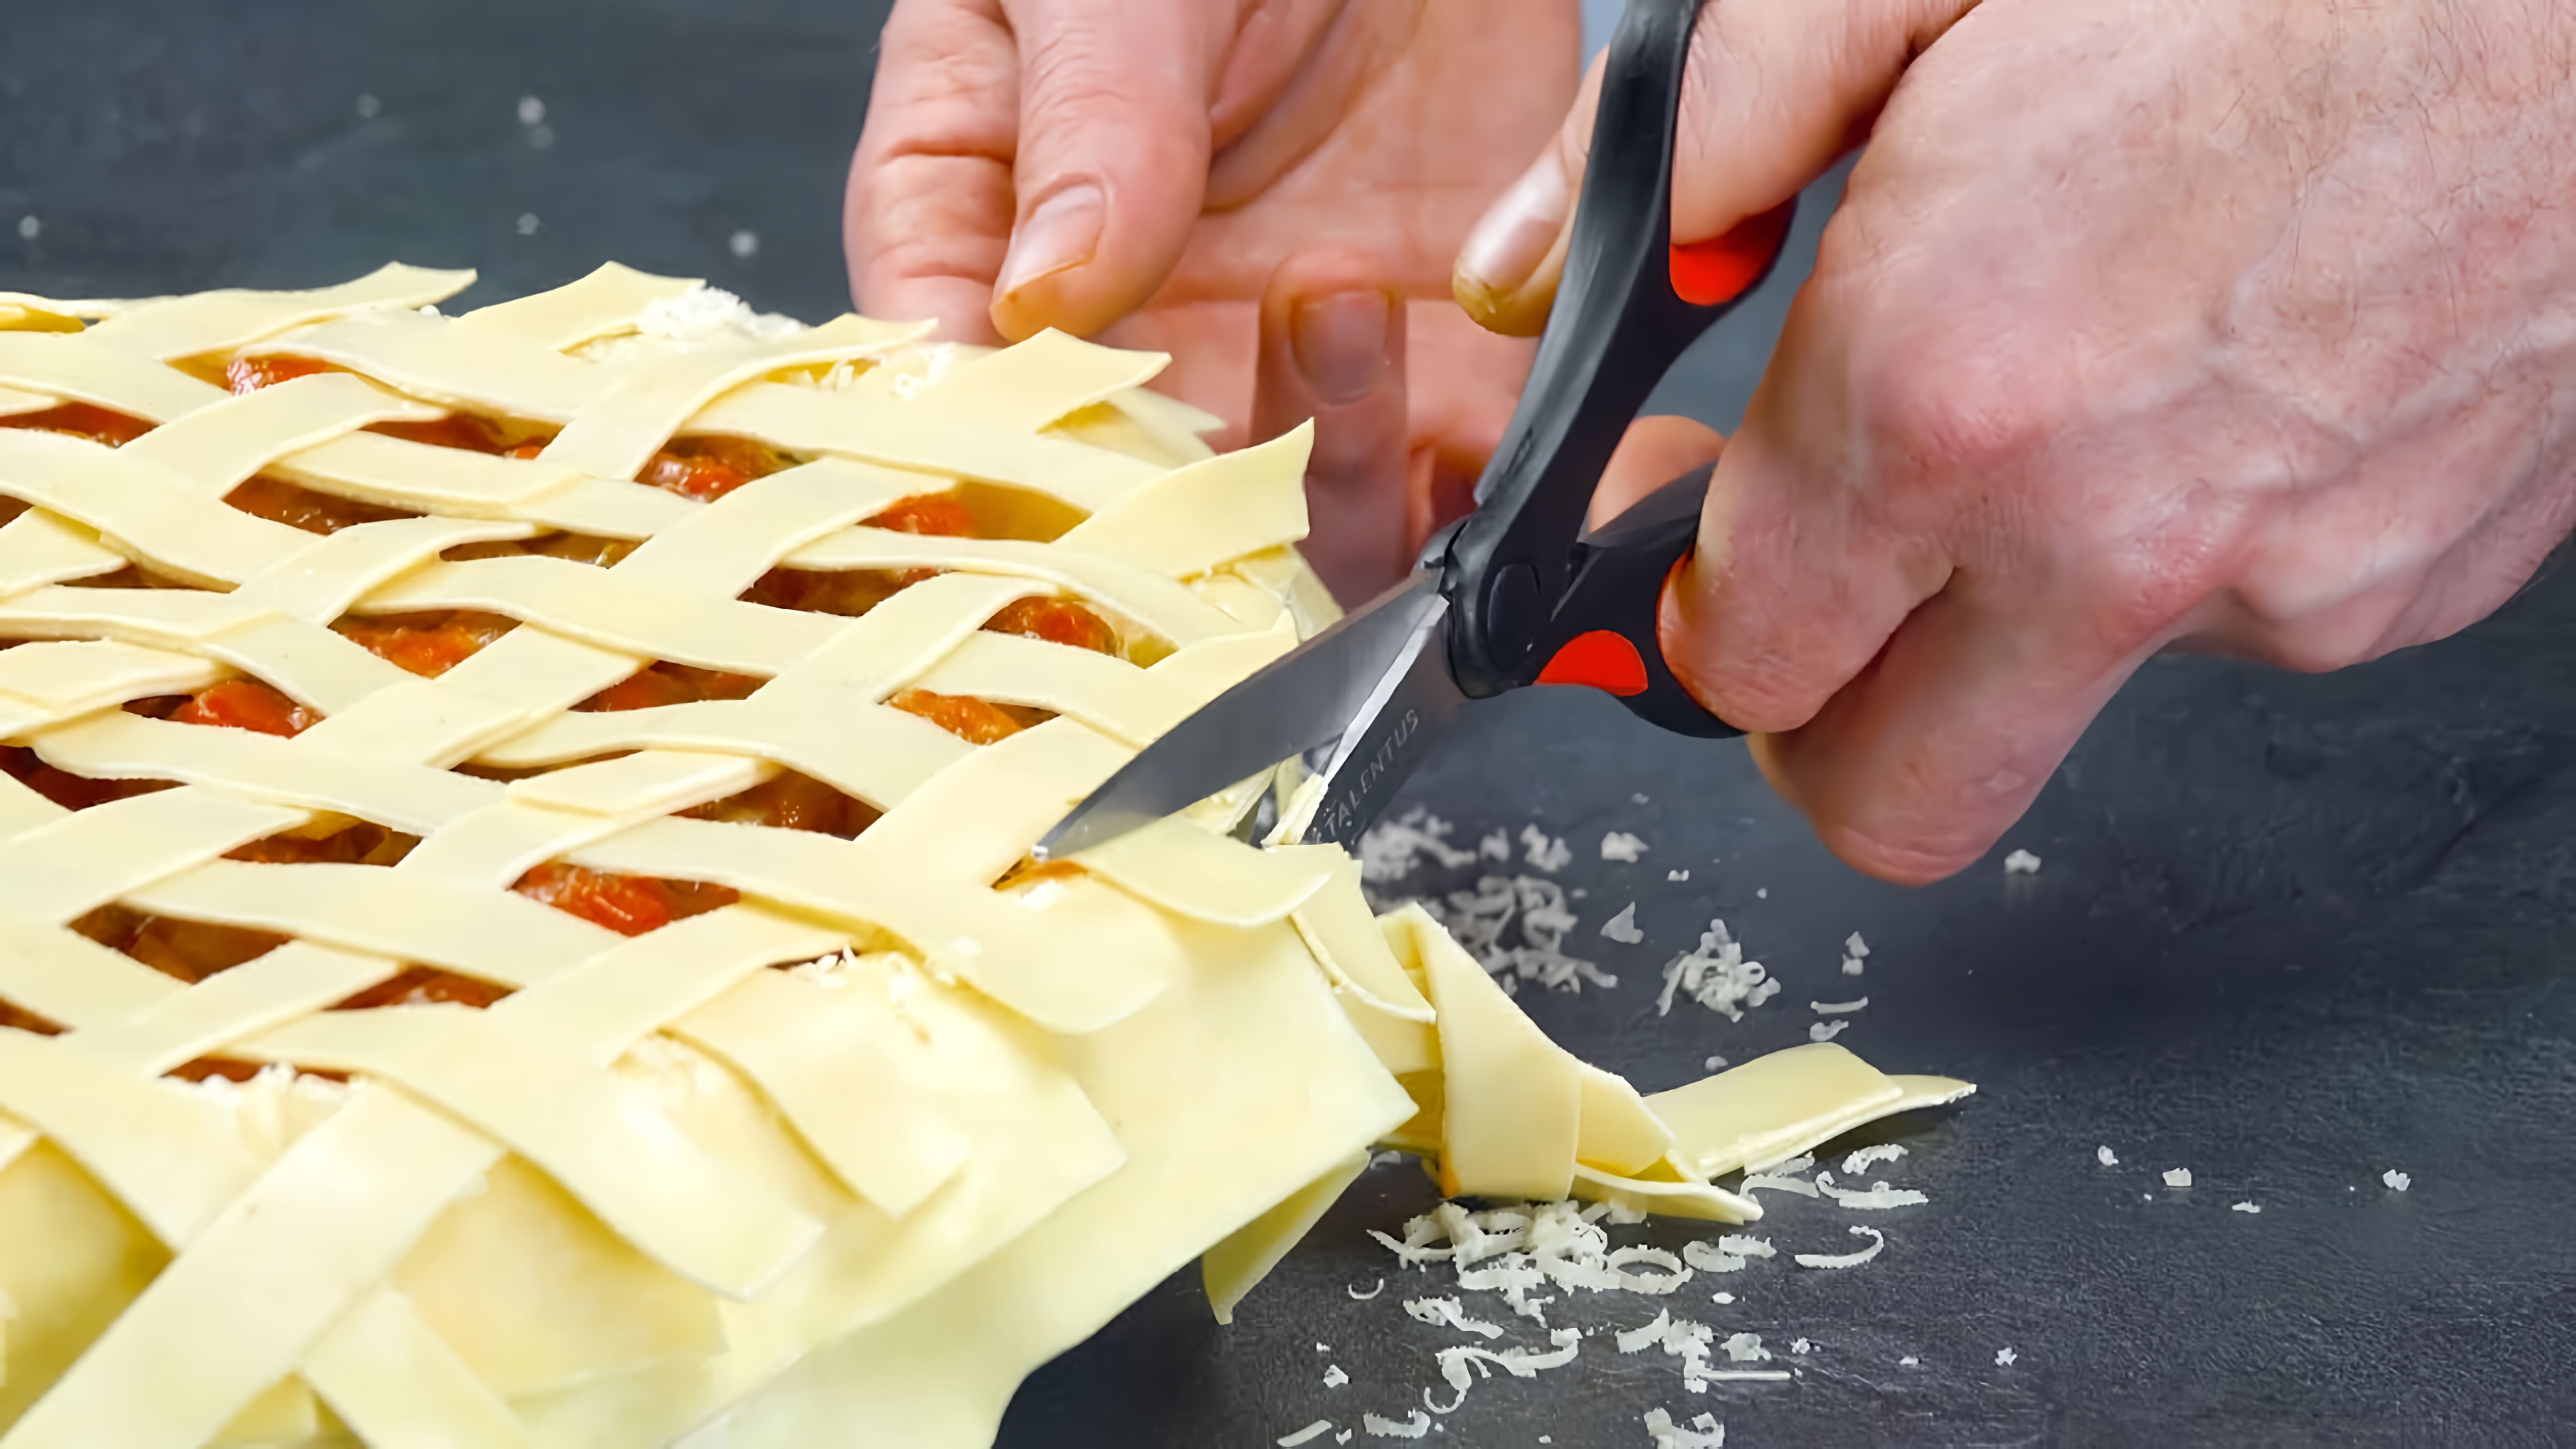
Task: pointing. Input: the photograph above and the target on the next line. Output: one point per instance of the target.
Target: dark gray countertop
(2290, 933)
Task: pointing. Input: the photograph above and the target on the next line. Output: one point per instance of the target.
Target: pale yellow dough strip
(390, 1377)
(223, 443)
(81, 368)
(141, 509)
(216, 321)
(1026, 386)
(58, 872)
(70, 678)
(115, 745)
(607, 301)
(1193, 519)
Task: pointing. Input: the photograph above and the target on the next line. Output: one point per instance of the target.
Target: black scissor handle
(1524, 588)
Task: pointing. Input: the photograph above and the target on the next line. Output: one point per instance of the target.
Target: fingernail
(1516, 231)
(1340, 343)
(1061, 232)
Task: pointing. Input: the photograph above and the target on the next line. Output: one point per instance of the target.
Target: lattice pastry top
(514, 918)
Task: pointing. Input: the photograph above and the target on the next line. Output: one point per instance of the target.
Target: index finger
(927, 216)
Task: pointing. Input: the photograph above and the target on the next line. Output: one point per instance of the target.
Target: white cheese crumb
(1800, 1345)
(1765, 1182)
(1745, 1348)
(1852, 966)
(1713, 1064)
(1307, 1435)
(1620, 845)
(2021, 862)
(2105, 1156)
(1877, 1196)
(1343, 1437)
(1323, 1347)
(1865, 1157)
(1762, 893)
(1722, 1297)
(1826, 1030)
(2178, 1177)
(1358, 1297)
(1677, 875)
(1497, 845)
(2004, 1357)
(1622, 927)
(1837, 1008)
(531, 110)
(2397, 1181)
(528, 223)
(1334, 1378)
(743, 243)
(1717, 976)
(1536, 909)
(1539, 849)
(1636, 798)
(1877, 1239)
(1415, 1426)
(1909, 1361)
(369, 107)
(1449, 1313)
(1854, 946)
(1391, 848)
(2245, 1207)
(1704, 1432)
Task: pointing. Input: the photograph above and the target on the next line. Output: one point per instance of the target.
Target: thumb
(1773, 93)
(1332, 348)
(1112, 157)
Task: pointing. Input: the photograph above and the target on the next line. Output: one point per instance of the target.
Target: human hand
(2242, 328)
(1251, 185)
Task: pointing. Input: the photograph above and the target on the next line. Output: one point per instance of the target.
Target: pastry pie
(515, 925)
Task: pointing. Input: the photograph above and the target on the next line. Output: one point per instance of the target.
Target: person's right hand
(2246, 327)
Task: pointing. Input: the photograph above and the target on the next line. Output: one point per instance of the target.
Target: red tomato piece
(976, 721)
(1058, 621)
(82, 421)
(422, 985)
(250, 374)
(427, 644)
(930, 513)
(245, 704)
(790, 801)
(630, 905)
(667, 683)
(279, 501)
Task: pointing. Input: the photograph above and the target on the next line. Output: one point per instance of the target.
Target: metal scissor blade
(1307, 697)
(1411, 707)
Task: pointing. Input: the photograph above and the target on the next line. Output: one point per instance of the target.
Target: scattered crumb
(1852, 966)
(1762, 893)
(1908, 1361)
(1800, 1345)
(29, 228)
(1837, 1008)
(2178, 1177)
(1724, 1297)
(1620, 845)
(1323, 1348)
(1334, 1378)
(531, 111)
(1745, 1348)
(1358, 1297)
(1307, 1435)
(1826, 1030)
(1704, 1431)
(2397, 1181)
(2021, 862)
(369, 108)
(1677, 875)
(2004, 1357)
(1636, 799)
(743, 243)
(1543, 850)
(1854, 946)
(1716, 976)
(527, 223)
(1856, 1160)
(1713, 1064)
(2106, 1157)
(1622, 927)
(2245, 1207)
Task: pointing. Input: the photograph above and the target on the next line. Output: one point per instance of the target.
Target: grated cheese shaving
(1865, 1157)
(2021, 862)
(2178, 1177)
(1416, 1425)
(1622, 927)
(1717, 976)
(1826, 1030)
(1877, 1240)
(1745, 1348)
(1837, 1008)
(2396, 1181)
(1449, 1313)
(1479, 918)
(1677, 875)
(1307, 1435)
(1620, 845)
(1358, 1297)
(1704, 1432)
(1392, 848)
(2106, 1156)
(2245, 1207)
(1767, 1182)
(1520, 1363)
(1877, 1196)
(1549, 853)
(2004, 1357)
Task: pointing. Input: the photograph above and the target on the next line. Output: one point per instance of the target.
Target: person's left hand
(1250, 185)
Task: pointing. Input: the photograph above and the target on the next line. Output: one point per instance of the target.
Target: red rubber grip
(1717, 270)
(1600, 660)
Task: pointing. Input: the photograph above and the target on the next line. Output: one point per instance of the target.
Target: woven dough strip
(830, 1159)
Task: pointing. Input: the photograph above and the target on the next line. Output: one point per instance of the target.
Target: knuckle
(1973, 392)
